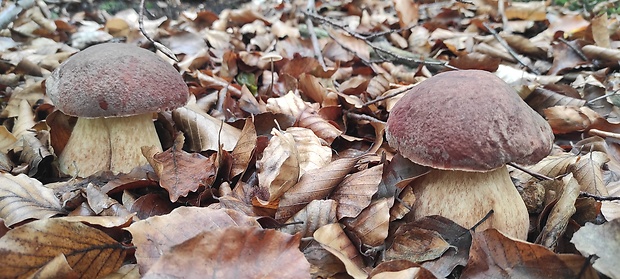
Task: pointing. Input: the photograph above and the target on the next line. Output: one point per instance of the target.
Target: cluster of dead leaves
(279, 169)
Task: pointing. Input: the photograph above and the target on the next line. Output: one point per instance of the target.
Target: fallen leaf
(355, 192)
(494, 255)
(560, 214)
(602, 242)
(244, 149)
(180, 172)
(22, 198)
(372, 224)
(90, 252)
(234, 252)
(158, 234)
(278, 169)
(334, 240)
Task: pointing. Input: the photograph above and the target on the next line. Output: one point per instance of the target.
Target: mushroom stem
(108, 144)
(466, 197)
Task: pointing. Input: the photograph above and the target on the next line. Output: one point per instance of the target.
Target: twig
(157, 45)
(509, 49)
(315, 41)
(604, 134)
(377, 49)
(576, 50)
(598, 198)
(533, 174)
(473, 228)
(357, 116)
(381, 98)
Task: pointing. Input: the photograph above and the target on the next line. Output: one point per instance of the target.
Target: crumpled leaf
(334, 240)
(244, 149)
(560, 214)
(314, 185)
(372, 224)
(204, 132)
(90, 252)
(494, 255)
(588, 172)
(180, 172)
(278, 169)
(234, 252)
(355, 192)
(158, 234)
(22, 198)
(311, 153)
(601, 241)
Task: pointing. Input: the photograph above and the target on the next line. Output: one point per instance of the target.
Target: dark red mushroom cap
(113, 80)
(467, 120)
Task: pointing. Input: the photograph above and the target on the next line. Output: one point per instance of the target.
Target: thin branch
(533, 174)
(157, 45)
(315, 41)
(378, 50)
(598, 198)
(573, 48)
(509, 49)
(381, 98)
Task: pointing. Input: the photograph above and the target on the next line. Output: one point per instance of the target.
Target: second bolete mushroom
(466, 125)
(114, 90)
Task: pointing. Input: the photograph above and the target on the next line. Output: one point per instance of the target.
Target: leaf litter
(279, 168)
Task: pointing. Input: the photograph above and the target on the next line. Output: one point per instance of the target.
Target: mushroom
(466, 125)
(114, 89)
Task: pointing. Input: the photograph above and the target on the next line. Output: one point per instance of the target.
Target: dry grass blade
(314, 185)
(22, 198)
(355, 192)
(90, 252)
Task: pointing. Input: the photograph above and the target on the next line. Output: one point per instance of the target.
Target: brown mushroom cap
(467, 120)
(111, 80)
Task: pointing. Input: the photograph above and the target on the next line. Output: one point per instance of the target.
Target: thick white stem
(99, 144)
(466, 197)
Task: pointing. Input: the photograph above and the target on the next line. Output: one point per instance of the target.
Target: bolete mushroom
(114, 89)
(466, 125)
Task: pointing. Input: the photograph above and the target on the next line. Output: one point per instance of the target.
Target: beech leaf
(22, 198)
(90, 252)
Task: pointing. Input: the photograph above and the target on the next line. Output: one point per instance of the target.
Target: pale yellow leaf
(278, 169)
(311, 153)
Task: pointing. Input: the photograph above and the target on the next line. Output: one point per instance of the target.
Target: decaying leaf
(158, 234)
(601, 241)
(334, 240)
(22, 198)
(221, 254)
(90, 252)
(560, 214)
(494, 255)
(278, 170)
(314, 185)
(355, 192)
(180, 172)
(416, 245)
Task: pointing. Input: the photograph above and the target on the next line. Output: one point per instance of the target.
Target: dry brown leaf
(56, 268)
(400, 269)
(278, 169)
(90, 252)
(128, 271)
(101, 204)
(407, 12)
(568, 119)
(534, 11)
(600, 31)
(560, 214)
(542, 98)
(203, 131)
(236, 253)
(611, 209)
(25, 119)
(314, 185)
(334, 240)
(601, 53)
(22, 198)
(312, 88)
(601, 241)
(379, 85)
(416, 245)
(310, 119)
(311, 154)
(552, 166)
(7, 140)
(588, 172)
(371, 225)
(103, 221)
(31, 92)
(289, 104)
(494, 255)
(357, 46)
(244, 149)
(180, 172)
(315, 215)
(397, 174)
(158, 234)
(355, 192)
